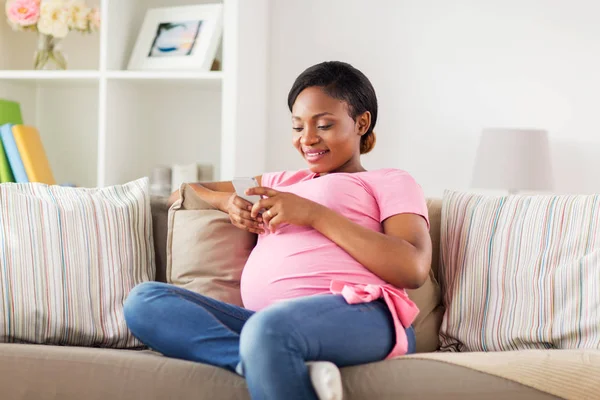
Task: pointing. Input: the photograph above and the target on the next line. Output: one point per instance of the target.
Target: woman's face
(325, 134)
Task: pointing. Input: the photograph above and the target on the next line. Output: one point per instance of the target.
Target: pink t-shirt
(299, 261)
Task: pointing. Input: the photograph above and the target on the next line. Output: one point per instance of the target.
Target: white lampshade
(514, 160)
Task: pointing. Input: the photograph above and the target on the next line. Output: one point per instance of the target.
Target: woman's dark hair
(342, 81)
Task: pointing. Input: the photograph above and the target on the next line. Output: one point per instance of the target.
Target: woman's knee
(268, 331)
(138, 305)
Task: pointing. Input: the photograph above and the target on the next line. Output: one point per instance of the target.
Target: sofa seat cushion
(65, 373)
(565, 373)
(38, 371)
(430, 379)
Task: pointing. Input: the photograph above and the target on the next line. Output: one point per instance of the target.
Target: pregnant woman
(324, 286)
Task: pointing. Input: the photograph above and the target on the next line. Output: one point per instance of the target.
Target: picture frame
(178, 38)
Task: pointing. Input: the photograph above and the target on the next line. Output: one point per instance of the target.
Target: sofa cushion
(205, 252)
(69, 257)
(160, 210)
(520, 272)
(565, 373)
(73, 373)
(39, 372)
(434, 208)
(414, 378)
(428, 297)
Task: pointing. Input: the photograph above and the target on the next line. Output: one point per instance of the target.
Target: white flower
(53, 19)
(77, 15)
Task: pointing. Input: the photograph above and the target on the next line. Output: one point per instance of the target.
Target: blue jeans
(270, 345)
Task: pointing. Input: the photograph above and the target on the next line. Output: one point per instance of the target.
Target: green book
(10, 112)
(6, 174)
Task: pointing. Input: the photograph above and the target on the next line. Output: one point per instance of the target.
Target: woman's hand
(239, 214)
(283, 208)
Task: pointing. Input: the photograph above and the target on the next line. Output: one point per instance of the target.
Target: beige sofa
(53, 372)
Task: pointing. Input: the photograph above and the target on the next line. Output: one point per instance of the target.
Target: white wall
(443, 70)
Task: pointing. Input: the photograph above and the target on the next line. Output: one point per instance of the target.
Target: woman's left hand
(283, 208)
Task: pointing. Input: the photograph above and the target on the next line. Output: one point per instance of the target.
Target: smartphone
(243, 183)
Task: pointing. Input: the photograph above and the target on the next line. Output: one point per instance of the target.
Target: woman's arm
(401, 255)
(215, 193)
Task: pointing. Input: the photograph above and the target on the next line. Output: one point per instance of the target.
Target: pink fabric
(402, 308)
(299, 261)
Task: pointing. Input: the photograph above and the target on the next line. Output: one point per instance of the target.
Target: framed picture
(178, 38)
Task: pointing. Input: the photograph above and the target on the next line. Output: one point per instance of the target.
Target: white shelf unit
(102, 124)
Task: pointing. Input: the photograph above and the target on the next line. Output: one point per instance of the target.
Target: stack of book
(22, 155)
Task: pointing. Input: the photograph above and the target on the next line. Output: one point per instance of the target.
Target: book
(6, 174)
(33, 155)
(10, 112)
(12, 153)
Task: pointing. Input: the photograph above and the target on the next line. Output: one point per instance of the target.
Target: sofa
(30, 371)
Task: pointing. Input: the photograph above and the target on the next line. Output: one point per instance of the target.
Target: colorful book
(5, 170)
(12, 153)
(10, 112)
(33, 155)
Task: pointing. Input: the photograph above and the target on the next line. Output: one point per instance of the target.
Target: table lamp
(514, 160)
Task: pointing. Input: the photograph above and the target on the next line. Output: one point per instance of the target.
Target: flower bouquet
(52, 20)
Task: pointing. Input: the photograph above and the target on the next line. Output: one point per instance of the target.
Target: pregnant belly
(268, 278)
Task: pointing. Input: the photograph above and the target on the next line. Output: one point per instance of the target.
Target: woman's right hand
(239, 214)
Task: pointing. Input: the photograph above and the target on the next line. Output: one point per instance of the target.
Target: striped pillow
(520, 272)
(68, 259)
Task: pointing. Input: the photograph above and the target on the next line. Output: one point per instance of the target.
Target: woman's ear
(363, 122)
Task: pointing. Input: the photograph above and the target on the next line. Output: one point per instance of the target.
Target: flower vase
(48, 55)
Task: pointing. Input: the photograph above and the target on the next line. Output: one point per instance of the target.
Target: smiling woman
(334, 111)
(337, 246)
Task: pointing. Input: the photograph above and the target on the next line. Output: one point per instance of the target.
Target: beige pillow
(205, 252)
(428, 297)
(68, 259)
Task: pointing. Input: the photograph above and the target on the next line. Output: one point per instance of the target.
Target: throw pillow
(68, 259)
(520, 272)
(205, 252)
(428, 297)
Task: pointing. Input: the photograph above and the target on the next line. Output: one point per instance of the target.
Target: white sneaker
(326, 379)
